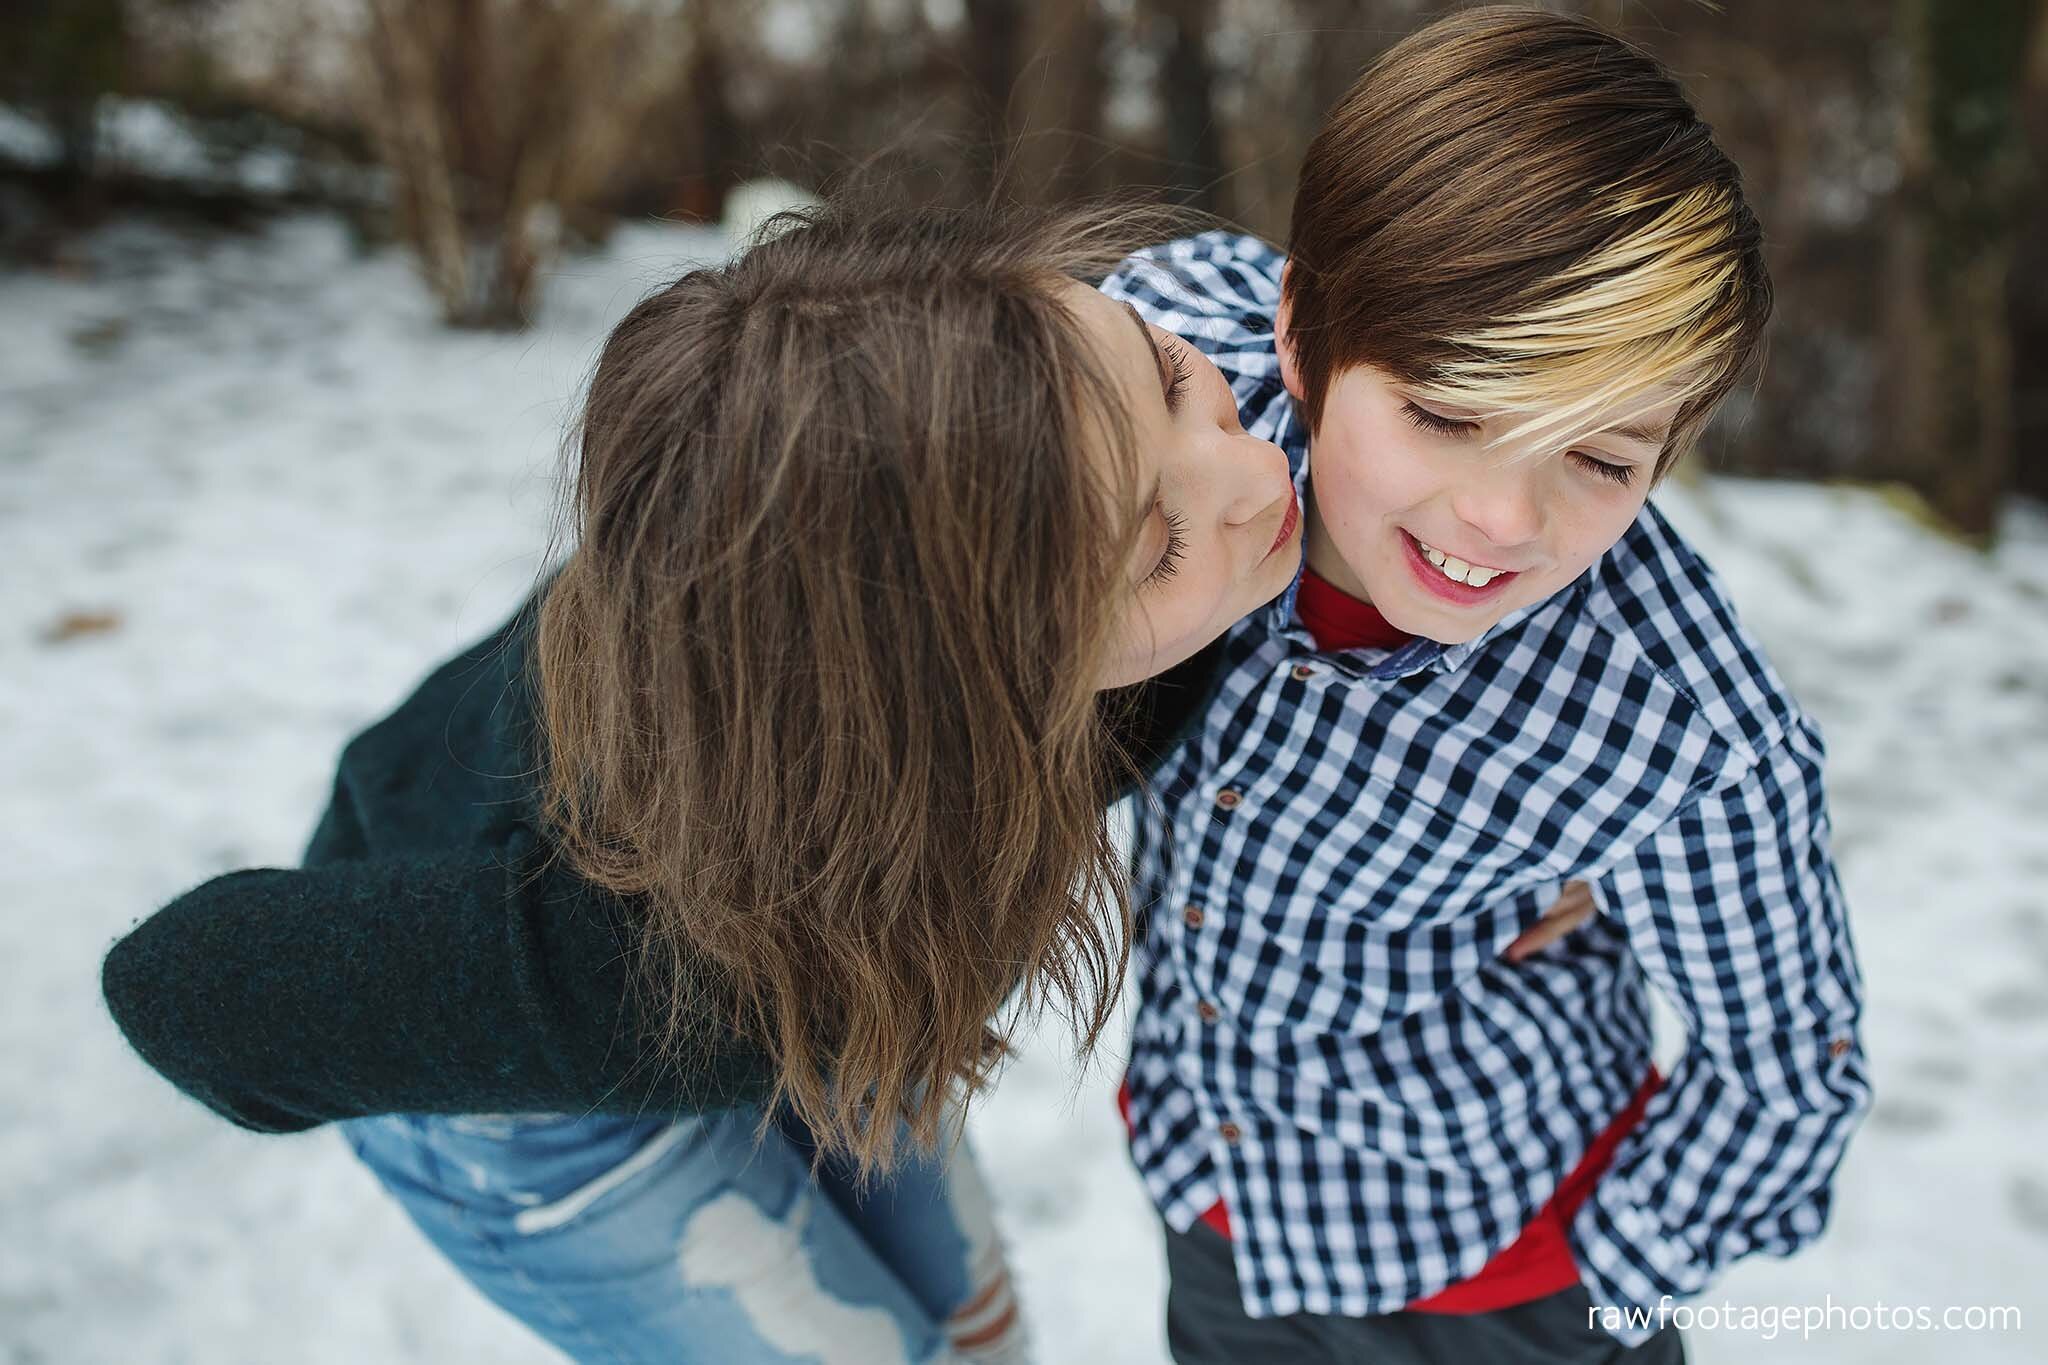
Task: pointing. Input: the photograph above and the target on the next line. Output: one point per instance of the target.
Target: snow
(148, 136)
(250, 490)
(26, 139)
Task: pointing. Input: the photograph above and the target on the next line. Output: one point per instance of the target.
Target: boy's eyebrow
(1158, 360)
(1638, 431)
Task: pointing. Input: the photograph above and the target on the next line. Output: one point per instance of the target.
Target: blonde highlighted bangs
(1653, 317)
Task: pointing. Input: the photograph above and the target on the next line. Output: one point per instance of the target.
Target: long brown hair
(1520, 211)
(815, 680)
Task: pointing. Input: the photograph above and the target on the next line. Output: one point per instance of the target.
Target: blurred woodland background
(298, 296)
(1895, 151)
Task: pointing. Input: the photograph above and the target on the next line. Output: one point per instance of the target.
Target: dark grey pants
(1206, 1325)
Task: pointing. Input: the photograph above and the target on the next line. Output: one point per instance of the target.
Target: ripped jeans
(627, 1240)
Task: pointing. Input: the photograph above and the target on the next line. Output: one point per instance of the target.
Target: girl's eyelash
(1448, 426)
(1177, 358)
(1176, 544)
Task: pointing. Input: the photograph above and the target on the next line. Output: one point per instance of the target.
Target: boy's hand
(1574, 907)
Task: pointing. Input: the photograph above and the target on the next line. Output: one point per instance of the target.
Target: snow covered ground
(250, 490)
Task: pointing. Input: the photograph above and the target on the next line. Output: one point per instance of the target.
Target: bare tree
(499, 117)
(1895, 153)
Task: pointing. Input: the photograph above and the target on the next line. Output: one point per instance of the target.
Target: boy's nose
(1501, 506)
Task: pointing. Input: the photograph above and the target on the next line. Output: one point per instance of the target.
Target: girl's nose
(1257, 478)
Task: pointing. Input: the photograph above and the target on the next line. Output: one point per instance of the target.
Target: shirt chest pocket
(1340, 911)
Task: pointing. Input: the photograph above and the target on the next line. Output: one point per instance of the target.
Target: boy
(1521, 277)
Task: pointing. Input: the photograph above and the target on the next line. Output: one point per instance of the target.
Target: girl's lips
(1288, 522)
(1432, 578)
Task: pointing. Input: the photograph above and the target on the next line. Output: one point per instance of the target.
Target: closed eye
(1441, 425)
(1183, 371)
(1176, 546)
(1436, 422)
(1622, 474)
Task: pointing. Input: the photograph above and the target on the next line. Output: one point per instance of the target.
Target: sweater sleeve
(396, 975)
(484, 980)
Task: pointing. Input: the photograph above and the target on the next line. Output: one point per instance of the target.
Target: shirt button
(1229, 1132)
(1302, 672)
(1192, 916)
(1210, 1014)
(1839, 1046)
(1229, 799)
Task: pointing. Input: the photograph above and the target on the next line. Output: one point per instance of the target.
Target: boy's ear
(1283, 339)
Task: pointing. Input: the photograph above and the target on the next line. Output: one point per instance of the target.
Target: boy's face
(1411, 511)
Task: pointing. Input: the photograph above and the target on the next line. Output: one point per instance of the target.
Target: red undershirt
(1539, 1262)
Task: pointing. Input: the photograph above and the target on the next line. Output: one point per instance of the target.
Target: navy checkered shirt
(1328, 1038)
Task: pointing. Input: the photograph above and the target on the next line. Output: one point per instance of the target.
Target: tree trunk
(994, 59)
(1951, 252)
(1187, 78)
(59, 57)
(2029, 296)
(715, 125)
(1058, 105)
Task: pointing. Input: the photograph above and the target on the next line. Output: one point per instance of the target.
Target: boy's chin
(1417, 614)
(1445, 634)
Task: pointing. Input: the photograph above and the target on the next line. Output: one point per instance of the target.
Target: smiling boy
(1521, 277)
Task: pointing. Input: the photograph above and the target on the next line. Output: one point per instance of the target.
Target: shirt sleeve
(1217, 291)
(1734, 911)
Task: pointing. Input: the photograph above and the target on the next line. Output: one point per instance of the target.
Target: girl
(651, 929)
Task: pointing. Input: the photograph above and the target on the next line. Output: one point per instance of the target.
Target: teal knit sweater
(431, 956)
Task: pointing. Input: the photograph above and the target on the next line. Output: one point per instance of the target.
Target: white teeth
(1456, 569)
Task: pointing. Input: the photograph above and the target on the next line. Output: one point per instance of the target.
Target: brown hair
(816, 678)
(1519, 211)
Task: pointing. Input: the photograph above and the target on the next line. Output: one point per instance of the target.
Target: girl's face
(1220, 532)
